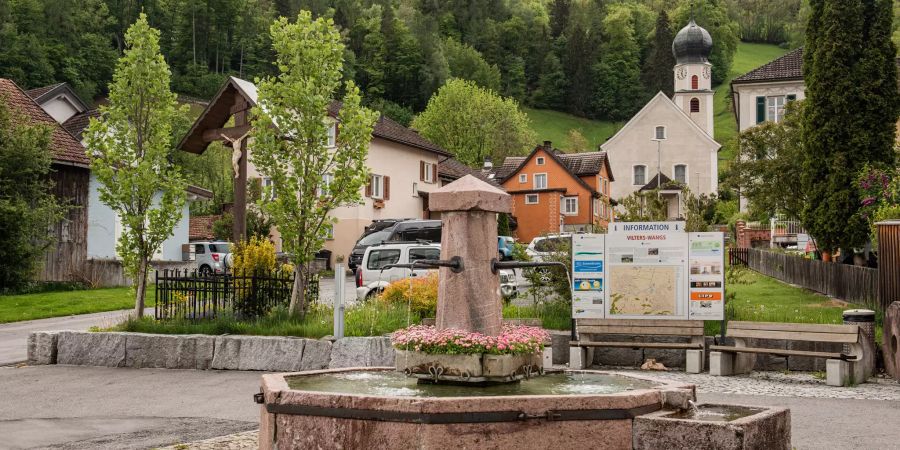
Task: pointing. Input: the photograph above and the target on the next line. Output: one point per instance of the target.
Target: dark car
(404, 231)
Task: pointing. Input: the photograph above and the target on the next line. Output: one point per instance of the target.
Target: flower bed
(513, 340)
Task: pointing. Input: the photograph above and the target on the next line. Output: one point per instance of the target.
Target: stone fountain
(475, 401)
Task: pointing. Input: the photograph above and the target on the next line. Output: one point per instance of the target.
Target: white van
(370, 279)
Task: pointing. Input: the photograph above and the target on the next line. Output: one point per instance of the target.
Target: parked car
(542, 246)
(403, 231)
(509, 288)
(371, 279)
(212, 256)
(505, 247)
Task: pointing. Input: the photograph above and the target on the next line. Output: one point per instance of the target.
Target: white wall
(747, 93)
(60, 108)
(104, 228)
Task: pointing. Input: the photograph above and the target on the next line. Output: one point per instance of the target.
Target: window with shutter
(421, 170)
(760, 109)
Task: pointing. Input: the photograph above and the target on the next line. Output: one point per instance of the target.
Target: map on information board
(643, 290)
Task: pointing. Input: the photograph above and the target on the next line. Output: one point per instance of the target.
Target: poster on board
(588, 276)
(646, 264)
(707, 276)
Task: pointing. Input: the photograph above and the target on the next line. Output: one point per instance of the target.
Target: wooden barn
(71, 176)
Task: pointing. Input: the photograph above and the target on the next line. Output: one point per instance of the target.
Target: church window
(695, 82)
(695, 105)
(681, 173)
(775, 108)
(640, 175)
(660, 133)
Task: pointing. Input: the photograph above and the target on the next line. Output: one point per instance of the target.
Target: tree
(617, 92)
(130, 148)
(577, 142)
(467, 63)
(473, 122)
(643, 206)
(766, 171)
(551, 86)
(850, 113)
(28, 209)
(659, 65)
(290, 128)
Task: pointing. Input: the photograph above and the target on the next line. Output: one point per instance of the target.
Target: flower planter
(474, 368)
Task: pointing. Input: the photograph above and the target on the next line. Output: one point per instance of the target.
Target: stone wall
(202, 352)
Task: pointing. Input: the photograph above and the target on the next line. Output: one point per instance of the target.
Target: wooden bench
(841, 368)
(581, 350)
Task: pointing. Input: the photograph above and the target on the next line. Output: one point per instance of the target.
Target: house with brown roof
(556, 192)
(403, 166)
(86, 238)
(761, 94)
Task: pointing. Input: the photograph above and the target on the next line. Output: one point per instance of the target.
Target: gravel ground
(238, 441)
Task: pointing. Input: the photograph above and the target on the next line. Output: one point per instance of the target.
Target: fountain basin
(722, 427)
(340, 409)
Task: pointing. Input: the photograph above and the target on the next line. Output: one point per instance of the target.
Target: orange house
(556, 192)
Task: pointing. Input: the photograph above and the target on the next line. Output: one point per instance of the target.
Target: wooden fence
(853, 284)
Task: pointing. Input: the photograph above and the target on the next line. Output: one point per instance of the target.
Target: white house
(403, 167)
(760, 95)
(671, 139)
(103, 225)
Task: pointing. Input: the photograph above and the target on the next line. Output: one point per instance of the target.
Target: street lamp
(659, 136)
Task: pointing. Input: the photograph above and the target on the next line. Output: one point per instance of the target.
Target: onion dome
(692, 44)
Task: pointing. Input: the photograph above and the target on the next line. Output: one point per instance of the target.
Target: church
(669, 143)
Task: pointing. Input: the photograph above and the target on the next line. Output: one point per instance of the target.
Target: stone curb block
(168, 351)
(42, 347)
(82, 348)
(258, 353)
(362, 352)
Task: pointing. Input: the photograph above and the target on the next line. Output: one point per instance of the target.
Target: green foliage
(766, 21)
(212, 170)
(28, 209)
(473, 122)
(290, 147)
(618, 93)
(577, 142)
(643, 206)
(658, 74)
(503, 225)
(467, 63)
(57, 300)
(848, 57)
(766, 171)
(258, 225)
(419, 295)
(130, 151)
(879, 189)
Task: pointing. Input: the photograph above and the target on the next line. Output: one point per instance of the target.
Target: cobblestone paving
(239, 441)
(774, 384)
(780, 384)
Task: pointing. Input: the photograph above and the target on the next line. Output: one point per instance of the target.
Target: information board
(648, 270)
(707, 276)
(588, 276)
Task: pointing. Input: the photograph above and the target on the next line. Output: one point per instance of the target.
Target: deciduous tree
(130, 148)
(291, 141)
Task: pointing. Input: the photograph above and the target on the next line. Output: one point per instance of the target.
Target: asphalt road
(14, 336)
(91, 407)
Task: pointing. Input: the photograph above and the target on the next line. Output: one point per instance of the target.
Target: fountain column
(470, 300)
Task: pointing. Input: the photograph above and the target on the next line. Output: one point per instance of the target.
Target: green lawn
(748, 57)
(14, 308)
(554, 125)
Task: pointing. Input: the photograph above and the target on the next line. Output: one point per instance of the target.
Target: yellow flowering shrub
(420, 293)
(254, 256)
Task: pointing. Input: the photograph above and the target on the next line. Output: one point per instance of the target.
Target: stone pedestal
(891, 344)
(470, 299)
(865, 318)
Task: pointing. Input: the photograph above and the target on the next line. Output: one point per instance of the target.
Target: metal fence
(182, 294)
(842, 281)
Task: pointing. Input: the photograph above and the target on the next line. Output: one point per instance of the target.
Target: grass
(554, 125)
(747, 57)
(14, 308)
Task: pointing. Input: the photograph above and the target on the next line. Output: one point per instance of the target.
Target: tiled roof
(201, 227)
(454, 169)
(788, 67)
(38, 92)
(387, 128)
(65, 147)
(579, 164)
(77, 123)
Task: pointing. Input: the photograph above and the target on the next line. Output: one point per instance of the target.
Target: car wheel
(205, 271)
(372, 294)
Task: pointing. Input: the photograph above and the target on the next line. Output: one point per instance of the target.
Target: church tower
(693, 74)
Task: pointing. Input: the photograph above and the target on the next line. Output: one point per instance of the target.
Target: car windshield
(220, 248)
(375, 238)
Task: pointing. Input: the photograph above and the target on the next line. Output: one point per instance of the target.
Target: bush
(254, 256)
(419, 293)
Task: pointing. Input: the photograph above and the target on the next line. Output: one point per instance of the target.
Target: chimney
(488, 165)
(547, 145)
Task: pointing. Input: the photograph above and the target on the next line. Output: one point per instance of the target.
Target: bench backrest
(847, 334)
(656, 327)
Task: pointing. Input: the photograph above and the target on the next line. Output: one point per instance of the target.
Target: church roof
(787, 67)
(692, 44)
(660, 97)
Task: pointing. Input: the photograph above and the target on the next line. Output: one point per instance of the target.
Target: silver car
(212, 257)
